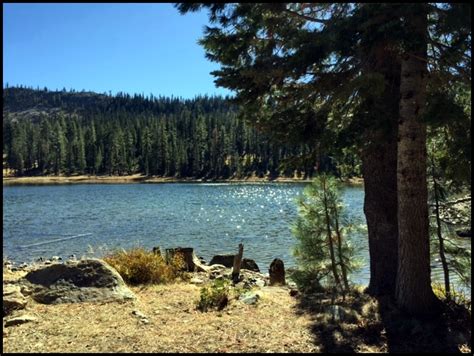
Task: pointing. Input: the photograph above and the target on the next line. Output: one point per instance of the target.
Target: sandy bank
(138, 178)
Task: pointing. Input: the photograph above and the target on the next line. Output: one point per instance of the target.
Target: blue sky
(133, 48)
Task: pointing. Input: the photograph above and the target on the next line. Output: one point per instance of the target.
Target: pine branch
(305, 17)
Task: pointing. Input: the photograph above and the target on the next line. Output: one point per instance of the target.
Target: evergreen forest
(68, 132)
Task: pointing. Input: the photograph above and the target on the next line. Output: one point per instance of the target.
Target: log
(237, 264)
(199, 266)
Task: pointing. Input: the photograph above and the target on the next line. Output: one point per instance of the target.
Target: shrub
(138, 266)
(307, 280)
(455, 296)
(214, 296)
(322, 251)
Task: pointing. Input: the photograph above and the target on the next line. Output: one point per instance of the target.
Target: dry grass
(139, 266)
(277, 323)
(174, 325)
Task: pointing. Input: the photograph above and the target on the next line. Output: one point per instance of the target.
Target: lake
(213, 218)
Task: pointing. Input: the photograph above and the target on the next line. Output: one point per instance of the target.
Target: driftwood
(237, 264)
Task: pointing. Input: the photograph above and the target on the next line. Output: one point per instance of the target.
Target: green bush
(214, 296)
(138, 266)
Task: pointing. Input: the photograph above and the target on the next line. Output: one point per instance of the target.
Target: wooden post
(237, 264)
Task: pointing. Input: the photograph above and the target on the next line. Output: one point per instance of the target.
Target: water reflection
(212, 217)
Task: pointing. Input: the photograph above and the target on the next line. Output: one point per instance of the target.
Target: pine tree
(322, 250)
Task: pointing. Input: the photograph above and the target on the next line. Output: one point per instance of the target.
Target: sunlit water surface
(87, 219)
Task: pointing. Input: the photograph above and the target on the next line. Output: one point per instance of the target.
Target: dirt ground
(167, 321)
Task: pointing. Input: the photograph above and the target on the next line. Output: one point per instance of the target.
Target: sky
(130, 48)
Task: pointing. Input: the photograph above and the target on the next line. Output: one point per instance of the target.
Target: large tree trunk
(379, 168)
(413, 290)
(380, 207)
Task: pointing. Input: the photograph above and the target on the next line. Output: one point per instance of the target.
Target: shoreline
(138, 178)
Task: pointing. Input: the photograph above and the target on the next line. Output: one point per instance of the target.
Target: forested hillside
(67, 132)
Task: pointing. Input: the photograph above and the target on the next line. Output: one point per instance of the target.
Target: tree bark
(379, 169)
(237, 264)
(413, 290)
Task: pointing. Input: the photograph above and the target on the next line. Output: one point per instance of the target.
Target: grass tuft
(138, 266)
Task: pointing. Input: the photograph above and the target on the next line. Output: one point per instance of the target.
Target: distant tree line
(60, 132)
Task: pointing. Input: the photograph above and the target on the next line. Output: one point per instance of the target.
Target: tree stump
(187, 253)
(277, 272)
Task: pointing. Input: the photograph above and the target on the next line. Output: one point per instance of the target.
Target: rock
(56, 259)
(139, 314)
(13, 299)
(196, 280)
(25, 290)
(293, 292)
(228, 261)
(340, 314)
(250, 264)
(249, 298)
(464, 233)
(225, 260)
(277, 272)
(19, 320)
(80, 281)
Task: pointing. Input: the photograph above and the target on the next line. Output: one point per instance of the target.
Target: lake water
(91, 219)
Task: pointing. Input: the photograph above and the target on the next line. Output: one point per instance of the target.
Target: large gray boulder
(79, 281)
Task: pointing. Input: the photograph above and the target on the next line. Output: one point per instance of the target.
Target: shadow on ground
(360, 323)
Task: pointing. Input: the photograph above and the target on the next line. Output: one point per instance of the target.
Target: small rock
(26, 290)
(145, 321)
(19, 320)
(47, 262)
(56, 259)
(196, 280)
(249, 298)
(139, 314)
